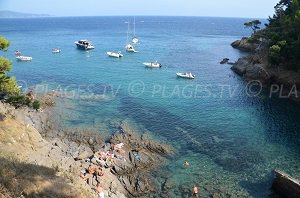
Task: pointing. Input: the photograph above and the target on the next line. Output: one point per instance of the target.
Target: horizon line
(57, 16)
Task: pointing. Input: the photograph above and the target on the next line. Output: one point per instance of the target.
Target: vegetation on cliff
(282, 34)
(283, 31)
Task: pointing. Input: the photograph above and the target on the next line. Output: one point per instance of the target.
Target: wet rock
(240, 66)
(224, 61)
(138, 184)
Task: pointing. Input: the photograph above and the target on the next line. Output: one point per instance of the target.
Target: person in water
(186, 164)
(195, 191)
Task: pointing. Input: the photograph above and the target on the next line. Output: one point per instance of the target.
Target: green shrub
(36, 105)
(19, 101)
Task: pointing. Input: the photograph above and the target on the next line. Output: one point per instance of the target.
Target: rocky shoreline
(32, 138)
(282, 82)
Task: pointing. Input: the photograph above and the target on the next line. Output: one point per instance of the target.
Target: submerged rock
(224, 61)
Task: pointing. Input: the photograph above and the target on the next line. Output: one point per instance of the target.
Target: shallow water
(231, 140)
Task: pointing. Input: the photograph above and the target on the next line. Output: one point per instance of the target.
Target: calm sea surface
(231, 140)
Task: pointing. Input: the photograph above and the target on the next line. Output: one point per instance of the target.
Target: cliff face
(256, 66)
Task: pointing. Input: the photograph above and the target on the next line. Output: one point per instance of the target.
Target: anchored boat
(84, 44)
(185, 75)
(153, 64)
(24, 58)
(115, 54)
(56, 50)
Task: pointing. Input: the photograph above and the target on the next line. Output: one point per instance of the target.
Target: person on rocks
(91, 176)
(100, 191)
(137, 156)
(99, 173)
(195, 191)
(84, 176)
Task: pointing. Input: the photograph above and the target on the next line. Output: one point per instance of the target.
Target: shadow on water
(232, 154)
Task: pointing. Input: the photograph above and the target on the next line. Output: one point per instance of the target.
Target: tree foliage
(254, 25)
(283, 32)
(8, 85)
(3, 43)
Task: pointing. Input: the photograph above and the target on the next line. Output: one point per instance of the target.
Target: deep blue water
(232, 141)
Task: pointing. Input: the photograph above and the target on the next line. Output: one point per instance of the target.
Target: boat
(135, 39)
(152, 64)
(115, 54)
(56, 50)
(84, 44)
(23, 58)
(129, 47)
(185, 75)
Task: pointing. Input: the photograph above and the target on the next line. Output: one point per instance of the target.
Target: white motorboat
(84, 44)
(152, 64)
(185, 75)
(115, 54)
(23, 58)
(56, 50)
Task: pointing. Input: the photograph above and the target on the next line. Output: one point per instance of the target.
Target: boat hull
(24, 58)
(152, 65)
(82, 47)
(56, 51)
(114, 54)
(185, 75)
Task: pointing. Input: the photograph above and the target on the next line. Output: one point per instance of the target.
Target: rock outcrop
(143, 156)
(256, 66)
(244, 45)
(250, 69)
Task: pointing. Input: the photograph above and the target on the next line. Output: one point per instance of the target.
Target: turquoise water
(232, 141)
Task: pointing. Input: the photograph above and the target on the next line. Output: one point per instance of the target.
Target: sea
(233, 132)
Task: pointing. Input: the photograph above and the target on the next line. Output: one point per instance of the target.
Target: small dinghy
(115, 54)
(153, 64)
(24, 58)
(185, 75)
(55, 50)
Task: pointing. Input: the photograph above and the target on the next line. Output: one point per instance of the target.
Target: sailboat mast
(134, 26)
(127, 33)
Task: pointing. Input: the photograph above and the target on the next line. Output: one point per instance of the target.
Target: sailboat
(135, 39)
(129, 47)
